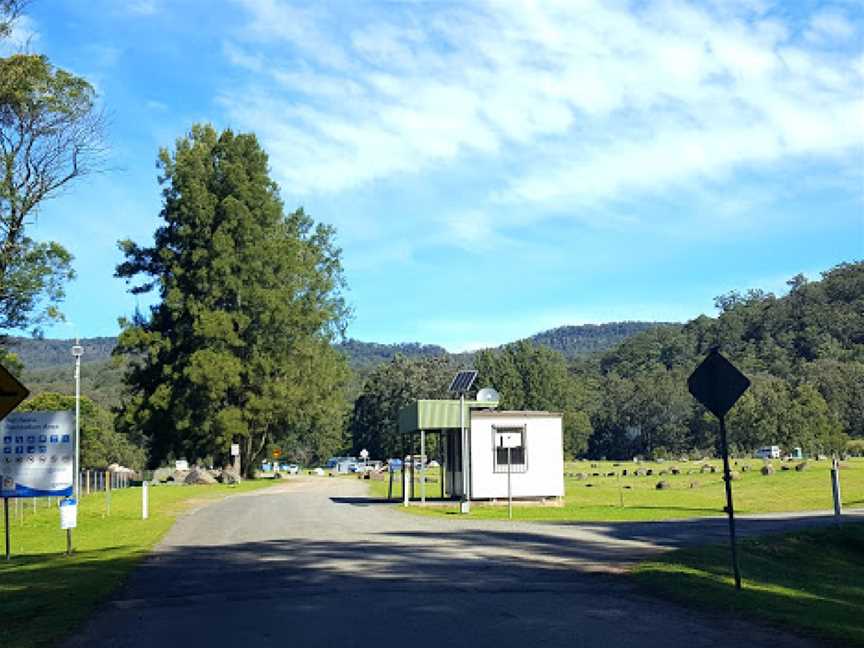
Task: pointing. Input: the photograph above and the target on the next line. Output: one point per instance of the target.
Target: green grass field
(811, 582)
(45, 594)
(692, 493)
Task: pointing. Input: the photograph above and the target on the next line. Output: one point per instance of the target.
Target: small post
(390, 484)
(107, 479)
(835, 490)
(6, 521)
(145, 508)
(727, 478)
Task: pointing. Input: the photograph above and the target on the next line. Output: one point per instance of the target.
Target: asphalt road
(313, 562)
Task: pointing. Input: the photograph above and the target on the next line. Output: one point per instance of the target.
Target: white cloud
(143, 7)
(23, 38)
(567, 102)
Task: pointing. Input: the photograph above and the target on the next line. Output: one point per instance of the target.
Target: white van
(768, 452)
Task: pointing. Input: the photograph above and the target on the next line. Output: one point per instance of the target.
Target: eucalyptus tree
(237, 348)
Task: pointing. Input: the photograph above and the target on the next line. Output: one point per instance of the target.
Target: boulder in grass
(229, 477)
(641, 473)
(785, 467)
(694, 484)
(745, 468)
(734, 475)
(199, 476)
(801, 467)
(706, 468)
(663, 485)
(581, 476)
(649, 472)
(624, 472)
(611, 474)
(675, 470)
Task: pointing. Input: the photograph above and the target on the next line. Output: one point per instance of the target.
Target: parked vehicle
(768, 452)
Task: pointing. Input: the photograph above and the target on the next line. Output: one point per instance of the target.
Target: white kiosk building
(534, 440)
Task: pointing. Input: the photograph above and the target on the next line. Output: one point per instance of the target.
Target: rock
(595, 474)
(663, 472)
(229, 477)
(694, 484)
(649, 472)
(589, 485)
(745, 468)
(593, 465)
(706, 468)
(734, 475)
(199, 476)
(663, 485)
(180, 475)
(675, 470)
(624, 472)
(611, 474)
(640, 473)
(821, 457)
(801, 467)
(581, 476)
(785, 467)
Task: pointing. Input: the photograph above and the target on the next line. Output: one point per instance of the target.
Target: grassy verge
(44, 594)
(604, 494)
(811, 582)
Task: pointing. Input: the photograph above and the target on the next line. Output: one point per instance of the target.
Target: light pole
(77, 352)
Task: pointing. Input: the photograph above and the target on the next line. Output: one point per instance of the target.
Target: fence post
(835, 490)
(145, 503)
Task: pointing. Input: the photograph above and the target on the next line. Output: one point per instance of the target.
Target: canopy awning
(437, 414)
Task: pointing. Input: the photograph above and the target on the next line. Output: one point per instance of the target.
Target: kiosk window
(510, 439)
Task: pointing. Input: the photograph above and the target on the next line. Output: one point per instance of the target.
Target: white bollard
(145, 500)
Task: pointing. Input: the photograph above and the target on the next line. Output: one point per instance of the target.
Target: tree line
(804, 353)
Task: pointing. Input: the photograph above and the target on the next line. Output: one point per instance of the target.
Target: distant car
(317, 471)
(768, 452)
(291, 469)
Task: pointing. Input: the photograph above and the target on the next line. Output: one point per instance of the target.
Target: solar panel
(462, 382)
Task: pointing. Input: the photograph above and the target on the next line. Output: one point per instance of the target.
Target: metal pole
(509, 491)
(422, 466)
(145, 504)
(727, 478)
(6, 521)
(466, 499)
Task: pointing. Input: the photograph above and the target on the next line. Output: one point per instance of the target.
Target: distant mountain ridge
(571, 341)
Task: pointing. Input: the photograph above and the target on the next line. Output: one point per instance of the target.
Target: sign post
(276, 454)
(717, 384)
(509, 440)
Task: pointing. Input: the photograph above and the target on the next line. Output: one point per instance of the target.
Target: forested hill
(572, 341)
(39, 354)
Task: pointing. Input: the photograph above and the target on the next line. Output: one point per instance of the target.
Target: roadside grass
(810, 582)
(44, 594)
(692, 493)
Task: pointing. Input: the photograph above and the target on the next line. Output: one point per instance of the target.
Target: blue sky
(492, 169)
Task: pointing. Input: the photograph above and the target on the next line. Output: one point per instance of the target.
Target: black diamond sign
(717, 384)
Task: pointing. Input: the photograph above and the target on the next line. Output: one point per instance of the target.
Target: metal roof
(517, 413)
(436, 414)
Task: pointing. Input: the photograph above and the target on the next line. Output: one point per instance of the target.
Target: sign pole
(509, 490)
(727, 478)
(6, 521)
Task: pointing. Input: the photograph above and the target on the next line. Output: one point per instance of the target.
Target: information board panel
(37, 451)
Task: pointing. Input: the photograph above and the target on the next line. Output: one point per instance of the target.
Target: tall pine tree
(238, 348)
